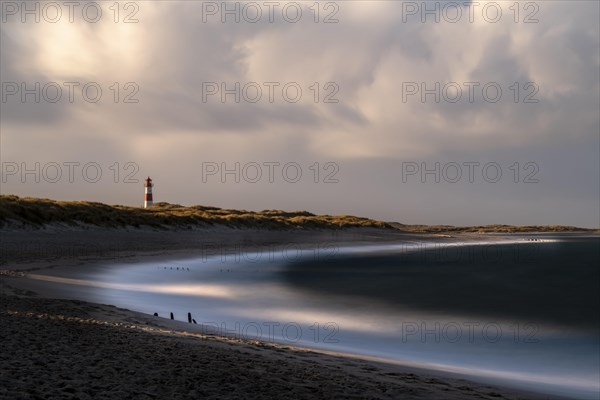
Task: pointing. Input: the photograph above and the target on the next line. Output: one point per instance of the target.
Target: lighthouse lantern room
(148, 192)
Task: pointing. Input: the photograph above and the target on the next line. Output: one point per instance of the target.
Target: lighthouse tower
(148, 192)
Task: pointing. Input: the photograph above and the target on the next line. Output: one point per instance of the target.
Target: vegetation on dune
(448, 229)
(38, 212)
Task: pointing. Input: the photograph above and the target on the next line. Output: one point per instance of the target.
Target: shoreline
(451, 383)
(28, 315)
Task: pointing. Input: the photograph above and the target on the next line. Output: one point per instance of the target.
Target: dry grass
(448, 229)
(38, 212)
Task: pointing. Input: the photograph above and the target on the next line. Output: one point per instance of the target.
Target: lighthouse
(148, 192)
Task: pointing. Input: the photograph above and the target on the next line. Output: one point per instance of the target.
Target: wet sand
(60, 348)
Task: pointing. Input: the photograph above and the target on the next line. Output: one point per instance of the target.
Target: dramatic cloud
(374, 63)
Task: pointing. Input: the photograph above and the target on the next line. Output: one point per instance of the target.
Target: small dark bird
(172, 316)
(190, 318)
(156, 314)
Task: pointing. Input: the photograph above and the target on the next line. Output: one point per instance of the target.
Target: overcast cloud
(374, 134)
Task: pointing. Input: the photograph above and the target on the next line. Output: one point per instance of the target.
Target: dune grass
(35, 212)
(39, 212)
(449, 229)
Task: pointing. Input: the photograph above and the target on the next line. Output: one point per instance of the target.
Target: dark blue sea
(518, 311)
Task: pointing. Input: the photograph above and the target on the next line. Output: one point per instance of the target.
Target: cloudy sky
(435, 113)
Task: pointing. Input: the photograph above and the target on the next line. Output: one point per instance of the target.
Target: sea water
(521, 312)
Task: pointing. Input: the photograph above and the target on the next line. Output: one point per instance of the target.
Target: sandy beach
(55, 347)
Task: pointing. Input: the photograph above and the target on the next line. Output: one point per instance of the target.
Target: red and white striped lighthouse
(148, 192)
